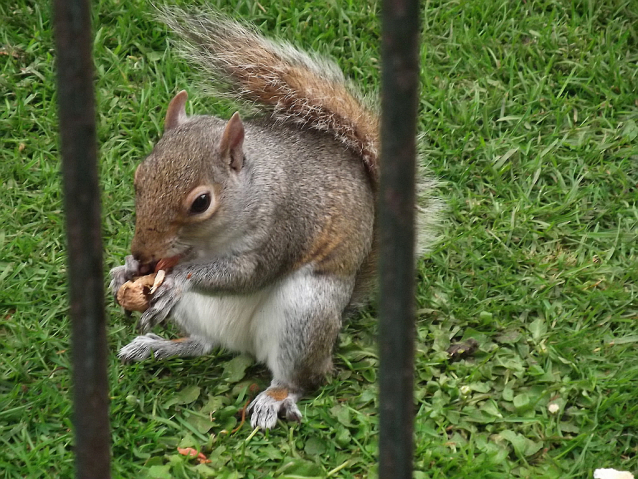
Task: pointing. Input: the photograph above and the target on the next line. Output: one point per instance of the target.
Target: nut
(135, 295)
(167, 263)
(159, 279)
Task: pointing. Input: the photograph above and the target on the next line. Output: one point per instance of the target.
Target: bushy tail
(296, 87)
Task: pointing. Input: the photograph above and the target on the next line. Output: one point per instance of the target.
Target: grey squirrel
(272, 220)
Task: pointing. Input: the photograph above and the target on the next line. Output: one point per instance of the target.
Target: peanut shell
(135, 295)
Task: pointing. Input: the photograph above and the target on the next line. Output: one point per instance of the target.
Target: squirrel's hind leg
(297, 328)
(143, 346)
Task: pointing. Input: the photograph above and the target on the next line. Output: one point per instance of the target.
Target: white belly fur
(243, 323)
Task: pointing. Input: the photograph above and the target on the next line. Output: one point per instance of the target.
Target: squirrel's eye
(201, 203)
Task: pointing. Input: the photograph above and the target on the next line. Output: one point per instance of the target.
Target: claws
(162, 303)
(124, 273)
(265, 410)
(139, 349)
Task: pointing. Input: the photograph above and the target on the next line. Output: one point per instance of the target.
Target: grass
(529, 115)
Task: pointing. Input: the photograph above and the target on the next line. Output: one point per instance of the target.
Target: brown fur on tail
(296, 87)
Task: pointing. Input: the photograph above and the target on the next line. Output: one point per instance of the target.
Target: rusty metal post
(84, 239)
(399, 101)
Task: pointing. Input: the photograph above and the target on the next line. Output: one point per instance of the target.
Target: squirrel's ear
(176, 113)
(230, 146)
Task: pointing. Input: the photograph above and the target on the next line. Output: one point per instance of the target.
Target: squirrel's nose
(142, 253)
(147, 265)
(146, 268)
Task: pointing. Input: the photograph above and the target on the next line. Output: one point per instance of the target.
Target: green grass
(529, 112)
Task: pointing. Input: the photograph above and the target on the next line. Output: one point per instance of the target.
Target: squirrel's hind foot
(271, 404)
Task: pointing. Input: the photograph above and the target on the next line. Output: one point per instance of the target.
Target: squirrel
(272, 220)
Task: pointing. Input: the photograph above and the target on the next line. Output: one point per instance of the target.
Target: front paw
(162, 302)
(140, 348)
(122, 274)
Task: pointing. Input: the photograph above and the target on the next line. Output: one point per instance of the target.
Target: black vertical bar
(84, 242)
(399, 101)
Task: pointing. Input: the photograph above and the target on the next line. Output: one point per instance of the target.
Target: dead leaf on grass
(189, 451)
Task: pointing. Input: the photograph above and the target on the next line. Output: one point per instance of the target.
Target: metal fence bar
(72, 20)
(399, 100)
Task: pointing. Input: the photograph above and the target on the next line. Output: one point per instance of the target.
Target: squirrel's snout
(147, 264)
(147, 268)
(143, 254)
